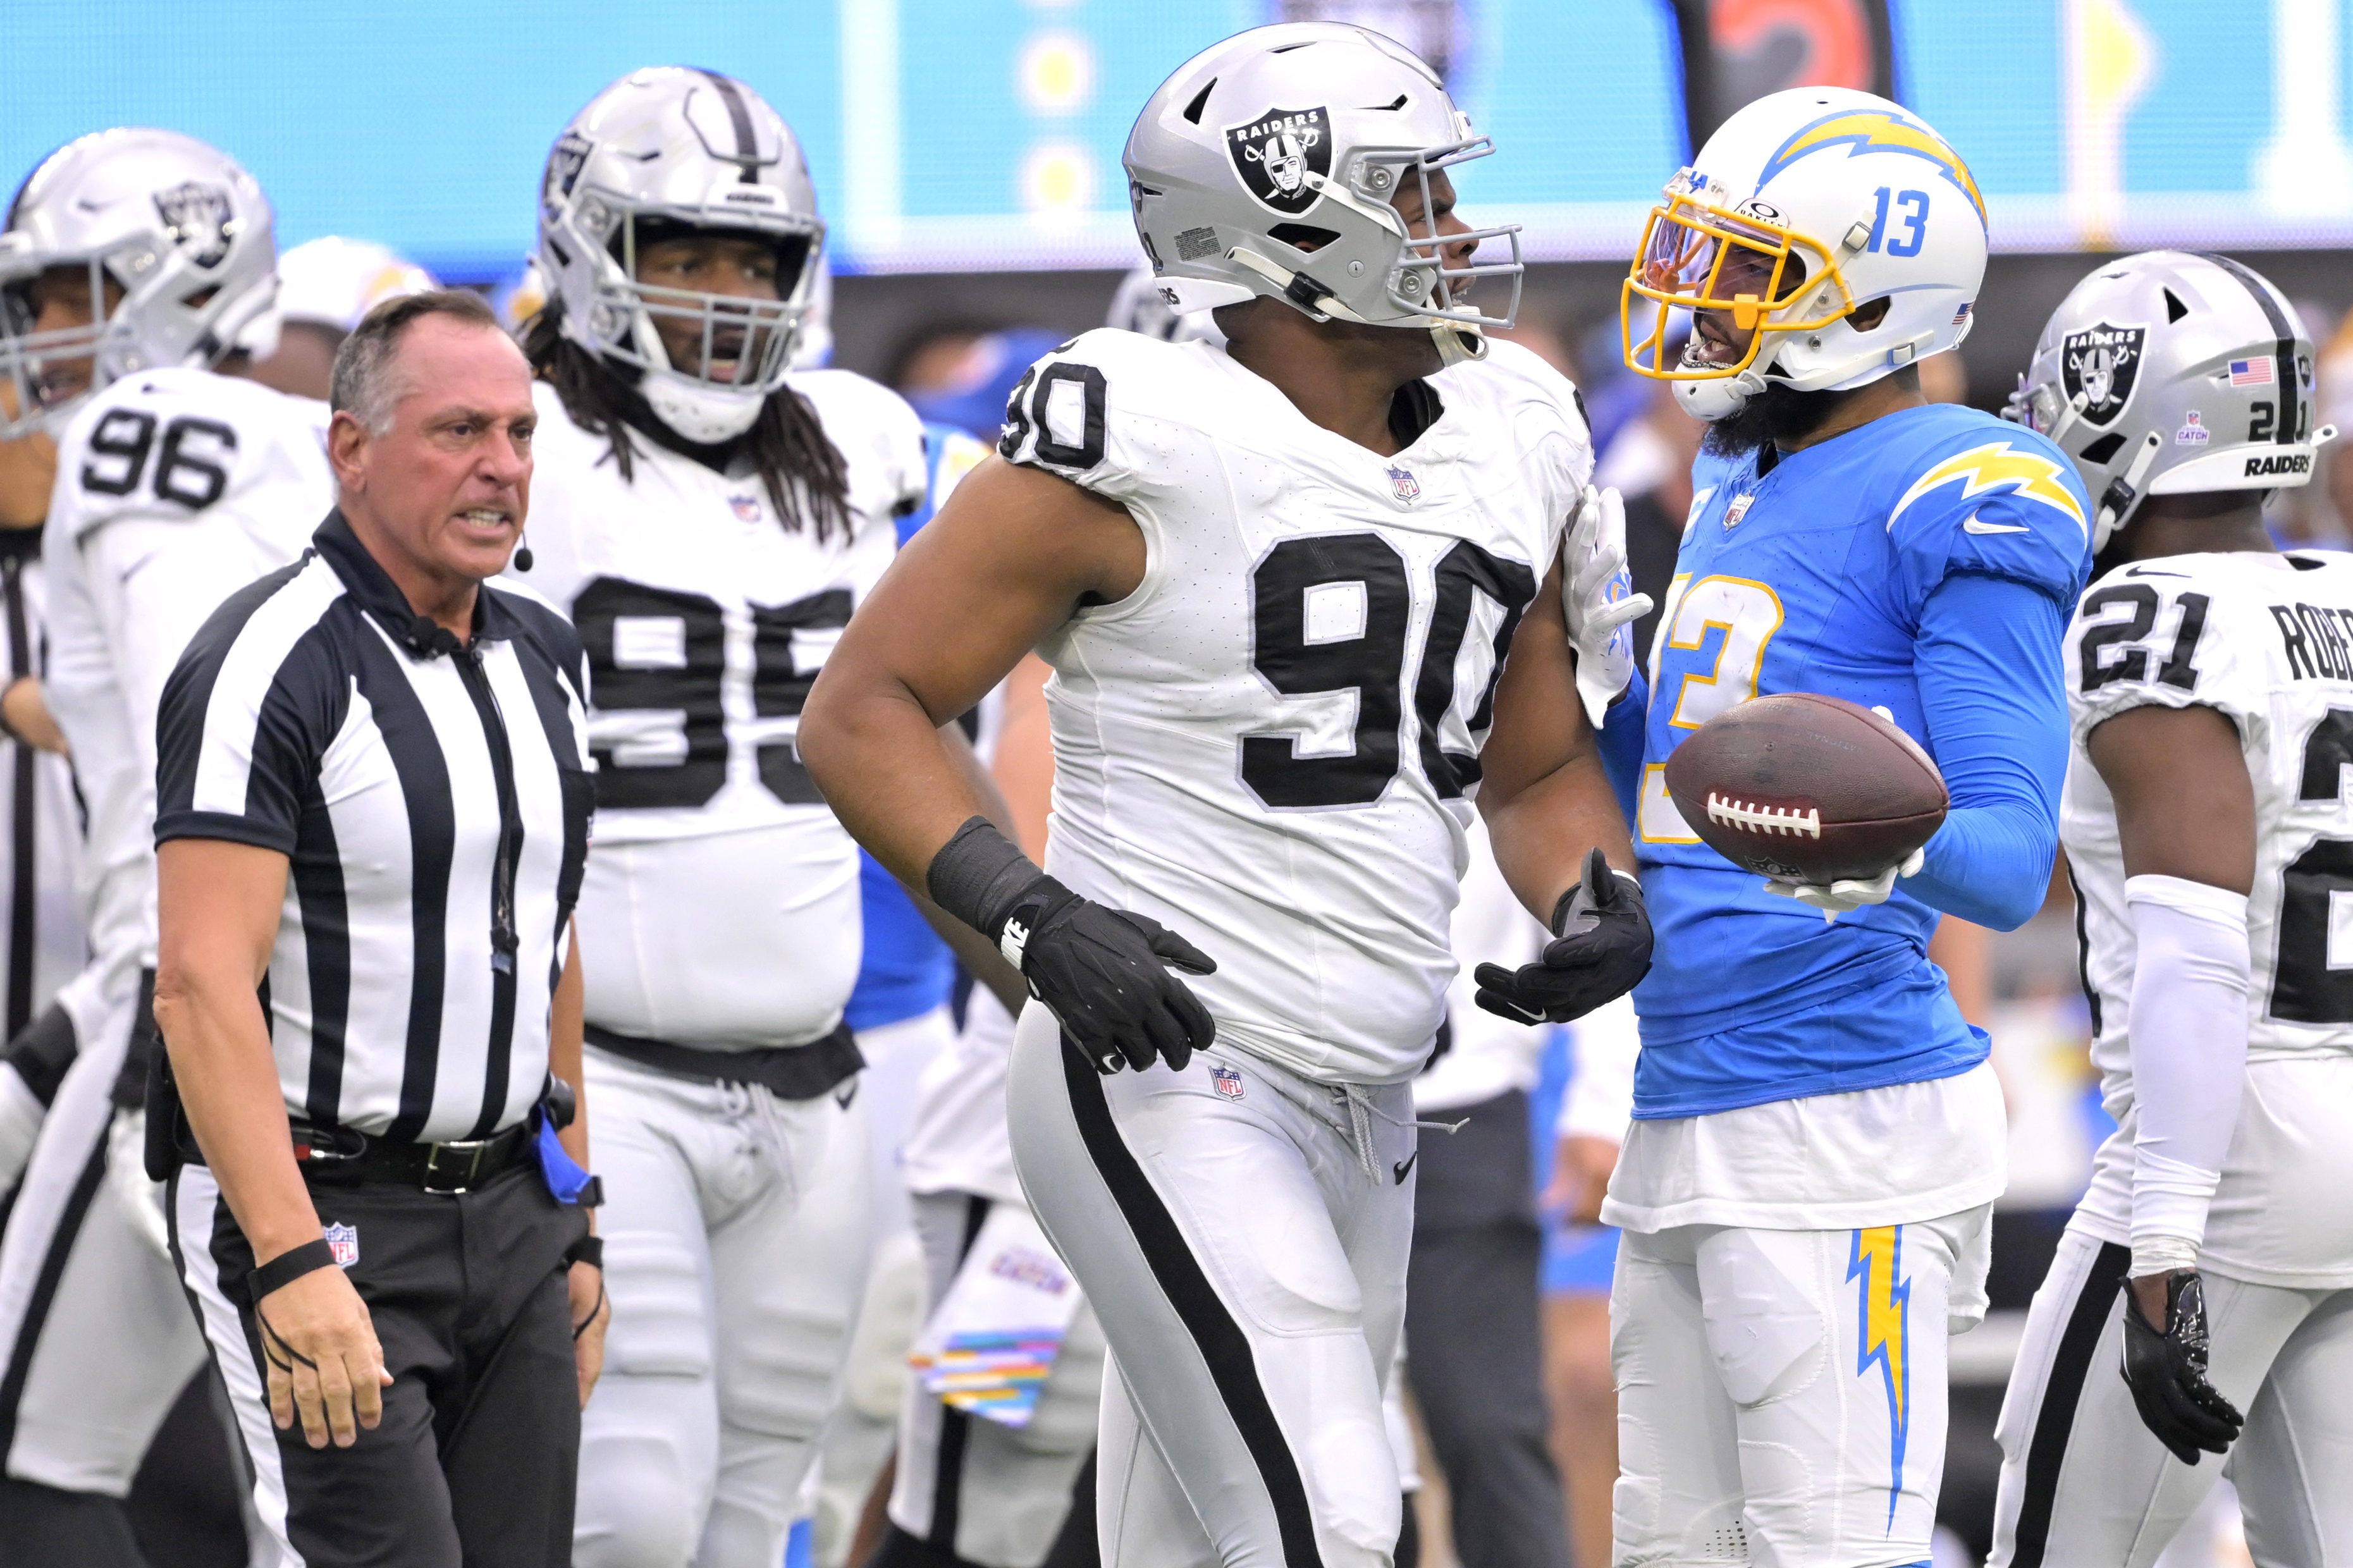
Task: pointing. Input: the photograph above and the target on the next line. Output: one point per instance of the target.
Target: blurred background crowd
(966, 153)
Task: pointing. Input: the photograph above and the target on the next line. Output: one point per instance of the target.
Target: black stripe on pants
(1222, 1344)
(955, 1425)
(2054, 1420)
(45, 1293)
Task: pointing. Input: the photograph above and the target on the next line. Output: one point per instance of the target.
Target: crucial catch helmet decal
(2100, 362)
(1276, 152)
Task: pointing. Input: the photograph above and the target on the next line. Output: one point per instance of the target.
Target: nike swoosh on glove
(2166, 1373)
(1601, 949)
(1597, 596)
(1836, 898)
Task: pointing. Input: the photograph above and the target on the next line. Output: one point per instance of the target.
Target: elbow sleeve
(2189, 1044)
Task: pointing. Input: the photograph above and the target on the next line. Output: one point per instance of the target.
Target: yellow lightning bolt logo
(1883, 1313)
(1982, 468)
(1876, 130)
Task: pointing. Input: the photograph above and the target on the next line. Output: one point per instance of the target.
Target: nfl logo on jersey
(343, 1241)
(1227, 1081)
(1402, 481)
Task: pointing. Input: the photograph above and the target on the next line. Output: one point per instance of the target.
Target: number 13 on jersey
(1712, 633)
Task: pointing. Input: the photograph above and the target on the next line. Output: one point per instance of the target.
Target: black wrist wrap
(288, 1267)
(588, 1249)
(981, 877)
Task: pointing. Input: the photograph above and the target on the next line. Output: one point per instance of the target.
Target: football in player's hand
(1807, 788)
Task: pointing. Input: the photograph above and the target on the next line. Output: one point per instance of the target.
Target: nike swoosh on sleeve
(1973, 526)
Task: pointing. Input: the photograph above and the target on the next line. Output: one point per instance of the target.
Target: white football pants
(2082, 1481)
(1243, 1242)
(96, 1337)
(989, 1493)
(1781, 1393)
(735, 1228)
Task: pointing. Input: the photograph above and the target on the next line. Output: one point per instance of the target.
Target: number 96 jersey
(1271, 745)
(2266, 641)
(720, 910)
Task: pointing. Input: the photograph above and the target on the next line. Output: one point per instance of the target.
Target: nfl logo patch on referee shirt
(1227, 1081)
(343, 1241)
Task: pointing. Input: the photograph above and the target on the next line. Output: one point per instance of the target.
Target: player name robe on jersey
(1812, 576)
(175, 488)
(720, 909)
(1271, 745)
(2267, 642)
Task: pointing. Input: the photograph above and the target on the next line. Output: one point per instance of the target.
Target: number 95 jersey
(1271, 745)
(2267, 642)
(720, 909)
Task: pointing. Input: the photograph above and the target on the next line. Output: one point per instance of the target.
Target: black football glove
(1601, 949)
(2167, 1373)
(1103, 973)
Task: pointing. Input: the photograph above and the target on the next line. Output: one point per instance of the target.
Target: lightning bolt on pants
(1781, 1393)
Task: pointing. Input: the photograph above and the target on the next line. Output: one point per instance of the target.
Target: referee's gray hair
(362, 384)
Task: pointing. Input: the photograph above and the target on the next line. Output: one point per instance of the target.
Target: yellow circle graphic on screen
(1058, 73)
(1057, 177)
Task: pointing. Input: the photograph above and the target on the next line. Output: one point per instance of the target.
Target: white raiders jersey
(40, 820)
(721, 908)
(2266, 641)
(1271, 745)
(176, 488)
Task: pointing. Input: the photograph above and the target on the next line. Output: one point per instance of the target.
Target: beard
(1776, 414)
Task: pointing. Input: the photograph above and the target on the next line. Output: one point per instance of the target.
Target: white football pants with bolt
(1781, 1393)
(1244, 1240)
(992, 1494)
(735, 1251)
(2084, 1481)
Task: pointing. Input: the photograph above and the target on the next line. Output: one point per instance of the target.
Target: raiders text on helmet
(661, 151)
(172, 224)
(2167, 374)
(1804, 207)
(1270, 164)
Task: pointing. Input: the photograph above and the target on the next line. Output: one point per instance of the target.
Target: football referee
(372, 814)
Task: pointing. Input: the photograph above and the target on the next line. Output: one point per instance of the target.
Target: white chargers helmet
(1805, 208)
(1138, 306)
(2170, 374)
(661, 152)
(334, 281)
(173, 224)
(1268, 165)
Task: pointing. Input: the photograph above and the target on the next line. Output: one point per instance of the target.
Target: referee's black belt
(789, 1072)
(341, 1154)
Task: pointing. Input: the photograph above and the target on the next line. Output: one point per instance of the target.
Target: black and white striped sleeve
(247, 714)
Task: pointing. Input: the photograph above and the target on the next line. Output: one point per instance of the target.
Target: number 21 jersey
(2267, 642)
(720, 909)
(1271, 745)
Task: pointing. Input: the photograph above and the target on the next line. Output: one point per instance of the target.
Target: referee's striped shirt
(433, 800)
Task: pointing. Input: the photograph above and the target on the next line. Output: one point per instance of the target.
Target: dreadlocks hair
(797, 462)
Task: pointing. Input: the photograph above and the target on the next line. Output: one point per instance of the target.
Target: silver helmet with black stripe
(172, 228)
(662, 152)
(2170, 373)
(1271, 164)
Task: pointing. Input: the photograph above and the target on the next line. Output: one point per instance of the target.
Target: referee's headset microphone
(522, 551)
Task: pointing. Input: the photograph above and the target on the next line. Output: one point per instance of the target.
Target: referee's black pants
(1474, 1350)
(474, 1463)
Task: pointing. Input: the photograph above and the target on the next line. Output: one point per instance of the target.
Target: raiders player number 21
(2211, 689)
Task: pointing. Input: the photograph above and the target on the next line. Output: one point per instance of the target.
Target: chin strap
(2116, 501)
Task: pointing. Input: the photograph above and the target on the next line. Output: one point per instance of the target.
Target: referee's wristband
(288, 1267)
(588, 1249)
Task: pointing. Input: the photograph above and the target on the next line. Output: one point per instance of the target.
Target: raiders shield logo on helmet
(2100, 364)
(196, 217)
(1276, 152)
(564, 165)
